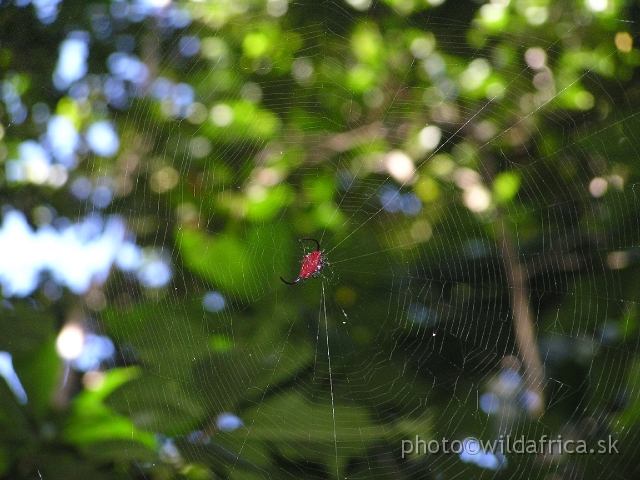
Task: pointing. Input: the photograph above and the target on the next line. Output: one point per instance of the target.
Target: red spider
(312, 263)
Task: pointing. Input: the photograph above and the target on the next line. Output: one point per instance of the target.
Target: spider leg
(290, 283)
(307, 239)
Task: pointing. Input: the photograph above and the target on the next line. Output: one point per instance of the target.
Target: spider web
(477, 215)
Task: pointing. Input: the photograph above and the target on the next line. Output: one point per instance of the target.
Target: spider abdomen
(311, 264)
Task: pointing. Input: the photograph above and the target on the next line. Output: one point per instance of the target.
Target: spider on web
(312, 263)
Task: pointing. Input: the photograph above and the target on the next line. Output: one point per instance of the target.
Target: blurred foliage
(245, 125)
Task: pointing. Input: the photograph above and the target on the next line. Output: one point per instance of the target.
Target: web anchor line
(333, 407)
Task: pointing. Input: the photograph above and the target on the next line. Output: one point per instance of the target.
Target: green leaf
(220, 259)
(506, 186)
(92, 421)
(265, 203)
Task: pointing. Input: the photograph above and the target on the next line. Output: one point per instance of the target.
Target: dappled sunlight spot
(597, 5)
(187, 214)
(434, 65)
(495, 90)
(200, 146)
(485, 130)
(466, 178)
(489, 403)
(159, 4)
(40, 112)
(196, 113)
(536, 15)
(128, 67)
(95, 299)
(222, 115)
(389, 199)
(161, 88)
(176, 100)
(95, 350)
(116, 92)
(421, 47)
(410, 204)
(189, 46)
(164, 179)
(215, 49)
(169, 452)
(360, 5)
(102, 195)
(34, 166)
(9, 91)
(102, 139)
(544, 81)
(213, 302)
(257, 193)
(475, 74)
(624, 42)
(81, 188)
(129, 257)
(154, 271)
(617, 181)
(598, 187)
(268, 177)
(198, 436)
(441, 165)
(43, 215)
(472, 452)
(430, 137)
(70, 341)
(492, 12)
(302, 69)
(584, 100)
(228, 422)
(618, 260)
(63, 139)
(277, 8)
(251, 92)
(400, 166)
(421, 231)
(477, 198)
(393, 201)
(11, 377)
(427, 189)
(530, 401)
(58, 176)
(256, 44)
(535, 57)
(46, 10)
(509, 382)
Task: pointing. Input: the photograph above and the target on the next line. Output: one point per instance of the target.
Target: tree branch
(523, 326)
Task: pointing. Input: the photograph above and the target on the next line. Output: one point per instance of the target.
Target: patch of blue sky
(76, 255)
(72, 61)
(11, 377)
